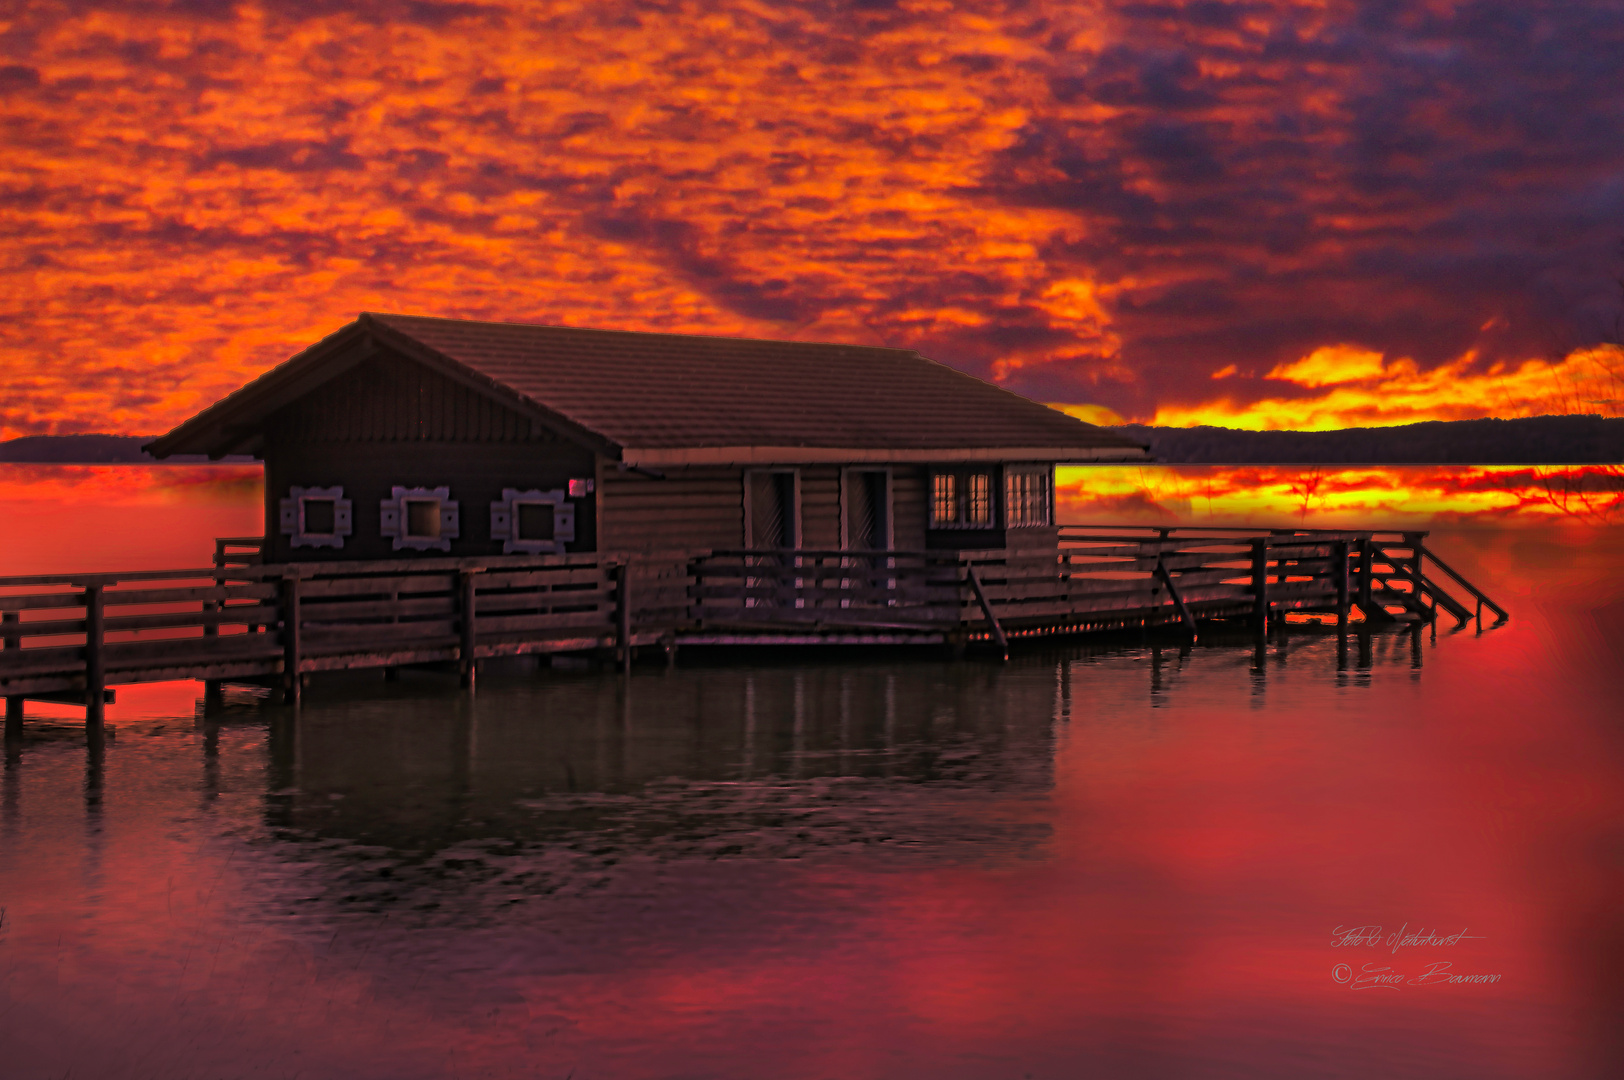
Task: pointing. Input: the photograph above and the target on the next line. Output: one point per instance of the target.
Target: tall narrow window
(944, 500)
(1028, 498)
(978, 500)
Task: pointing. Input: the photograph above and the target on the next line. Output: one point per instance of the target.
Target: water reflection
(704, 763)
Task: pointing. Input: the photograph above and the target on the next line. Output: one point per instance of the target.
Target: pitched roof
(673, 398)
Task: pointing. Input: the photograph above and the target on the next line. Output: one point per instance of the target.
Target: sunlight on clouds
(1413, 496)
(1360, 390)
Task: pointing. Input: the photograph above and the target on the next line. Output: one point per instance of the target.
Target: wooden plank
(366, 635)
(191, 594)
(257, 615)
(502, 624)
(355, 610)
(551, 578)
(324, 588)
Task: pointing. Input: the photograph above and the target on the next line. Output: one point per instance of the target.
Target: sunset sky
(1260, 213)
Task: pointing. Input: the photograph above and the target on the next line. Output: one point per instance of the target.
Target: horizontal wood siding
(820, 506)
(691, 508)
(475, 472)
(910, 508)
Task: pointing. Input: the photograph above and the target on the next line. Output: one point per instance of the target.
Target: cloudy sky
(1261, 213)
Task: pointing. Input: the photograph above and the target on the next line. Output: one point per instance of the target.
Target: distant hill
(1537, 440)
(90, 450)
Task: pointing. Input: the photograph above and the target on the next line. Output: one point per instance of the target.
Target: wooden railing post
(12, 639)
(292, 650)
(1339, 556)
(1367, 560)
(1260, 585)
(95, 660)
(467, 658)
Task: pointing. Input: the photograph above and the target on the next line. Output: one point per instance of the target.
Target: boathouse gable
(389, 427)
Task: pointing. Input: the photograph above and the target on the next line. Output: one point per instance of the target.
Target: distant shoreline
(1528, 441)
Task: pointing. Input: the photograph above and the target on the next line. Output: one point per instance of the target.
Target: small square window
(535, 521)
(316, 517)
(423, 519)
(320, 516)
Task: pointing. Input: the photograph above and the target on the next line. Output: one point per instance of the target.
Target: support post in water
(95, 660)
(292, 652)
(10, 625)
(1339, 557)
(1367, 565)
(467, 666)
(1260, 585)
(212, 697)
(623, 602)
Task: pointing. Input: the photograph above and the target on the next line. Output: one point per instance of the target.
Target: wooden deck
(71, 637)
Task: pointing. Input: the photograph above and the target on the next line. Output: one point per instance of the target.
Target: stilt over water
(68, 637)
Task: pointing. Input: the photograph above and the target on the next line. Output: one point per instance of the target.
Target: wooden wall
(690, 508)
(393, 421)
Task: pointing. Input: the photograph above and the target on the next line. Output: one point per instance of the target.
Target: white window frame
(1046, 474)
(961, 497)
(392, 518)
(291, 514)
(505, 521)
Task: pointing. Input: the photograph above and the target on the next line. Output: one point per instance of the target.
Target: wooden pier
(70, 638)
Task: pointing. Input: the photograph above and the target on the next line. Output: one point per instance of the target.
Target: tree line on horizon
(1535, 440)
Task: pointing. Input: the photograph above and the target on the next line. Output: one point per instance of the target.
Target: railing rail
(70, 635)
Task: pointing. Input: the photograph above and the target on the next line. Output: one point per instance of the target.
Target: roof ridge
(643, 333)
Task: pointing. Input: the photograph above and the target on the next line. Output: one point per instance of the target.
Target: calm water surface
(1118, 859)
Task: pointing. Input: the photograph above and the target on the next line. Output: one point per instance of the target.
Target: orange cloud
(1101, 202)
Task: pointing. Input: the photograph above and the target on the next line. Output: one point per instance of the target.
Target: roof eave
(677, 457)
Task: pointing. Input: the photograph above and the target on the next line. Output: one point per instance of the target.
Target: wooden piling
(467, 664)
(623, 604)
(292, 651)
(1340, 551)
(12, 639)
(95, 656)
(1367, 560)
(1260, 585)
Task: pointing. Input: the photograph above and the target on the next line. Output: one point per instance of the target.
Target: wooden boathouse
(440, 490)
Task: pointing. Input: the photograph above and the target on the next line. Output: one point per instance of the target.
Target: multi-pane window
(1028, 498)
(944, 500)
(978, 500)
(961, 500)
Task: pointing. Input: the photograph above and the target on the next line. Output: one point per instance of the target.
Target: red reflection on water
(1207, 837)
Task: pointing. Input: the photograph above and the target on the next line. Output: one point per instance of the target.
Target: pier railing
(68, 637)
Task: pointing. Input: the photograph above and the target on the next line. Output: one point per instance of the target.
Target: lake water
(1118, 858)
